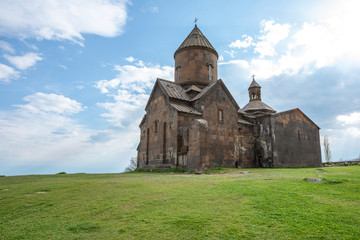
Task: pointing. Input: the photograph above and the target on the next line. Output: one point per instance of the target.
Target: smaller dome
(257, 106)
(254, 84)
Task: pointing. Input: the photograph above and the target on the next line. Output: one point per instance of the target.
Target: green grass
(219, 204)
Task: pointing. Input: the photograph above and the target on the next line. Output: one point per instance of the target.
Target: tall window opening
(210, 71)
(220, 115)
(177, 72)
(147, 146)
(164, 143)
(156, 127)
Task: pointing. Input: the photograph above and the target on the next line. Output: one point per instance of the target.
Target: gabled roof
(257, 105)
(196, 39)
(173, 90)
(242, 121)
(170, 89)
(254, 84)
(300, 112)
(193, 88)
(211, 86)
(185, 109)
(204, 91)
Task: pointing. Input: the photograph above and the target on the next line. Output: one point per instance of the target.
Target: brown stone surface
(193, 65)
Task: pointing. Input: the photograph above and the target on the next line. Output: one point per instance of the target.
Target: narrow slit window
(178, 73)
(221, 115)
(156, 126)
(210, 71)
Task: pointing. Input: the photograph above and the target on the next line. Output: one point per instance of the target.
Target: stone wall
(158, 134)
(222, 143)
(245, 146)
(264, 137)
(193, 66)
(296, 140)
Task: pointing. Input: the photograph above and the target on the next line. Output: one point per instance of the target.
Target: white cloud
(62, 20)
(231, 53)
(125, 109)
(132, 87)
(6, 47)
(241, 63)
(42, 102)
(49, 143)
(351, 122)
(62, 66)
(25, 61)
(350, 119)
(333, 41)
(138, 77)
(7, 73)
(247, 42)
(41, 137)
(273, 33)
(354, 131)
(130, 59)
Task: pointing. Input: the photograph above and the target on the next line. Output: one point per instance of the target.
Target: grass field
(225, 204)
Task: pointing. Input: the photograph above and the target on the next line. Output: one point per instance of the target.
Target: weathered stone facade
(195, 123)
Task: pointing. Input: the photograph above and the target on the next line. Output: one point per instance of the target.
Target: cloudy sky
(75, 75)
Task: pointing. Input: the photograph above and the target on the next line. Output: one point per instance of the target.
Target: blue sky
(75, 75)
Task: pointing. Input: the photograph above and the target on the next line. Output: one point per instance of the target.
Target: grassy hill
(224, 204)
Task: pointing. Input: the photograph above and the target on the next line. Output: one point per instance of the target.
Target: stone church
(194, 122)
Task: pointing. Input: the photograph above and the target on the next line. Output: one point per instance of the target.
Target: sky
(75, 75)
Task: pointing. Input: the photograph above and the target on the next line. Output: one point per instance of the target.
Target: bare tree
(132, 165)
(327, 149)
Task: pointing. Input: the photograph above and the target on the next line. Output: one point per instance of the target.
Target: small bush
(216, 168)
(61, 173)
(141, 170)
(175, 170)
(2, 176)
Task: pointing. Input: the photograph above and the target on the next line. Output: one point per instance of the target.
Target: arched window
(210, 71)
(220, 116)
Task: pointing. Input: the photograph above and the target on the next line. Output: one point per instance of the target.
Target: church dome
(196, 39)
(195, 61)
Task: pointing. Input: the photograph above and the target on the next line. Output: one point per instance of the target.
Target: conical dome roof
(196, 39)
(254, 84)
(257, 105)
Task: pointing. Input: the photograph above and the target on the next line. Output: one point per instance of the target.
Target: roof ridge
(165, 80)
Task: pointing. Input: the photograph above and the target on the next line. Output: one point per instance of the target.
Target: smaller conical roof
(257, 105)
(254, 84)
(196, 39)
